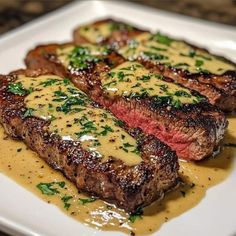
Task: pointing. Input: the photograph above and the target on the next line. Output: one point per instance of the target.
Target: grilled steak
(93, 149)
(107, 31)
(177, 116)
(193, 67)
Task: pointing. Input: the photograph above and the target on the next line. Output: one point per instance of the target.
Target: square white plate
(22, 213)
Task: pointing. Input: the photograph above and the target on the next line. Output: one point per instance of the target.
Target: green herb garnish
(106, 129)
(182, 93)
(66, 200)
(49, 188)
(144, 78)
(28, 112)
(49, 82)
(153, 56)
(87, 200)
(81, 57)
(199, 63)
(136, 215)
(17, 88)
(163, 39)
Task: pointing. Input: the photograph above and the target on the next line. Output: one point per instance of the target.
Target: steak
(194, 129)
(193, 67)
(27, 100)
(118, 35)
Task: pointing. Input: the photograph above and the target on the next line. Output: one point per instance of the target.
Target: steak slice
(186, 122)
(193, 67)
(93, 149)
(107, 31)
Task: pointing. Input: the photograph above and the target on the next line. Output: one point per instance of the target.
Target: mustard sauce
(99, 32)
(132, 79)
(72, 117)
(27, 169)
(129, 79)
(162, 49)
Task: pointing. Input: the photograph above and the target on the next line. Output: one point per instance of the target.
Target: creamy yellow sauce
(64, 53)
(161, 49)
(96, 33)
(132, 79)
(99, 32)
(96, 128)
(128, 79)
(27, 169)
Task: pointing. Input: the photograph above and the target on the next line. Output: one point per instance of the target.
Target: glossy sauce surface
(132, 79)
(27, 169)
(99, 32)
(96, 33)
(73, 117)
(162, 49)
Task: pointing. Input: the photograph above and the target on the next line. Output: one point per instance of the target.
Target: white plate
(22, 213)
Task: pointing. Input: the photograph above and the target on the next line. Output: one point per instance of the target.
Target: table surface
(14, 13)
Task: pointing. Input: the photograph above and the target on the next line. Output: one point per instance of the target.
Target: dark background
(14, 13)
(17, 12)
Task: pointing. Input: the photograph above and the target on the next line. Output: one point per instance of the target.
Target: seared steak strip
(177, 116)
(195, 68)
(93, 149)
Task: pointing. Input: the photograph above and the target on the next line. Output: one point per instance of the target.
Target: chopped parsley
(49, 82)
(118, 122)
(157, 48)
(181, 64)
(28, 112)
(18, 89)
(120, 75)
(191, 53)
(106, 129)
(163, 39)
(66, 200)
(136, 215)
(50, 188)
(136, 151)
(120, 26)
(164, 87)
(199, 63)
(153, 56)
(66, 107)
(81, 57)
(182, 93)
(109, 84)
(87, 200)
(87, 127)
(145, 78)
(111, 74)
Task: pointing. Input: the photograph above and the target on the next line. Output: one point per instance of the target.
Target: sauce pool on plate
(26, 168)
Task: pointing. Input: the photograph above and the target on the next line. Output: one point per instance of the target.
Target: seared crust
(197, 129)
(128, 187)
(219, 89)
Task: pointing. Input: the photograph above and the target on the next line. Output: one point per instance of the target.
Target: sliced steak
(195, 68)
(55, 119)
(107, 31)
(177, 116)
